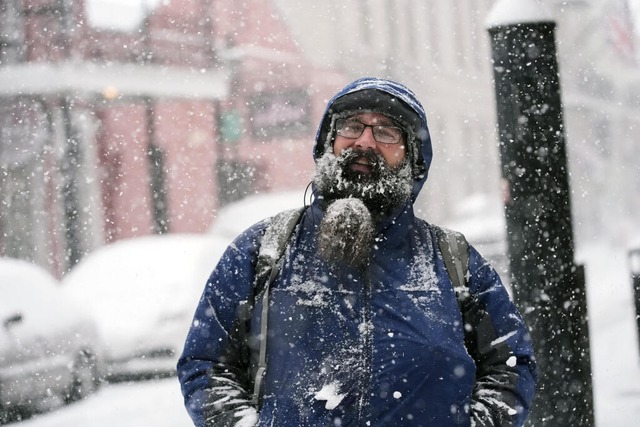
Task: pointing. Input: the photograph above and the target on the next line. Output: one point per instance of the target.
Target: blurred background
(138, 137)
(124, 118)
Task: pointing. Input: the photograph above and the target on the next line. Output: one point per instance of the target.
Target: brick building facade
(108, 134)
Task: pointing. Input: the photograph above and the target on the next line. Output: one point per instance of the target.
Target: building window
(411, 28)
(279, 114)
(11, 32)
(433, 31)
(366, 22)
(24, 133)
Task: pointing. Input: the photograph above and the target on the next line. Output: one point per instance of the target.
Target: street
(155, 403)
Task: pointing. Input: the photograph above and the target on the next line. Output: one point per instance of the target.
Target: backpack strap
(270, 257)
(455, 253)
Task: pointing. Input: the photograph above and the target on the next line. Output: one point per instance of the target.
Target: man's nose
(366, 141)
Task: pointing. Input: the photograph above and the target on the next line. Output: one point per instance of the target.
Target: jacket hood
(370, 94)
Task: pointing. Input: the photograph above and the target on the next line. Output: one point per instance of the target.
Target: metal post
(634, 264)
(157, 173)
(549, 288)
(70, 169)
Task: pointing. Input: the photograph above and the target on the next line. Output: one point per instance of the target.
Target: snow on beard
(346, 233)
(382, 190)
(353, 201)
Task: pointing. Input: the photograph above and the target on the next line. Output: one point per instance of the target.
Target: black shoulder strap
(455, 252)
(270, 254)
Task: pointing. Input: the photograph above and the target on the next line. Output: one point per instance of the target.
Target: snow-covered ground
(615, 357)
(614, 345)
(149, 403)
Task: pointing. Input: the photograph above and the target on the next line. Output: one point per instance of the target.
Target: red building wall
(126, 194)
(275, 94)
(185, 131)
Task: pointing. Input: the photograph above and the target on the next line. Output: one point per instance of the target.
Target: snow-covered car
(143, 293)
(49, 347)
(236, 217)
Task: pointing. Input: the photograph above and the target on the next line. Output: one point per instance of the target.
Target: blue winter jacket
(386, 346)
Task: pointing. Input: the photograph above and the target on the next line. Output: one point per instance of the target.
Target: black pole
(157, 173)
(634, 264)
(549, 288)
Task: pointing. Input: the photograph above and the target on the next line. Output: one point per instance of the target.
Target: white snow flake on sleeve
(329, 392)
(248, 417)
(503, 338)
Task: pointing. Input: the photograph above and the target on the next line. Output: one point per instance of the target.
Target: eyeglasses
(384, 134)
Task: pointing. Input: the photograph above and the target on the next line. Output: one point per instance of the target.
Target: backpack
(452, 244)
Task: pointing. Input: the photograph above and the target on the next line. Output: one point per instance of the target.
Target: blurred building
(599, 49)
(442, 51)
(120, 119)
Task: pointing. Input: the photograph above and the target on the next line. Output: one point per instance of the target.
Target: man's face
(393, 153)
(367, 163)
(364, 178)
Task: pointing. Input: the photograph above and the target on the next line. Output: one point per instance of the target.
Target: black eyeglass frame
(374, 130)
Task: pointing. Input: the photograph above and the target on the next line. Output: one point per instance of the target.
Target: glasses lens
(349, 128)
(387, 134)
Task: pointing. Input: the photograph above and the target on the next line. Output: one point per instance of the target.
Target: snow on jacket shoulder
(384, 347)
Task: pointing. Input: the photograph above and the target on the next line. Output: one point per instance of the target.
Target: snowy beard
(346, 233)
(354, 201)
(381, 191)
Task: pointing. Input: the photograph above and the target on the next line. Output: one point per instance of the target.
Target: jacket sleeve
(499, 341)
(214, 368)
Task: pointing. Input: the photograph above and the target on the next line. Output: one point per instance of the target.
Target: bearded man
(362, 324)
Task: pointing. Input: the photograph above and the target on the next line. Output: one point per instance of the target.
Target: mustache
(349, 157)
(381, 190)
